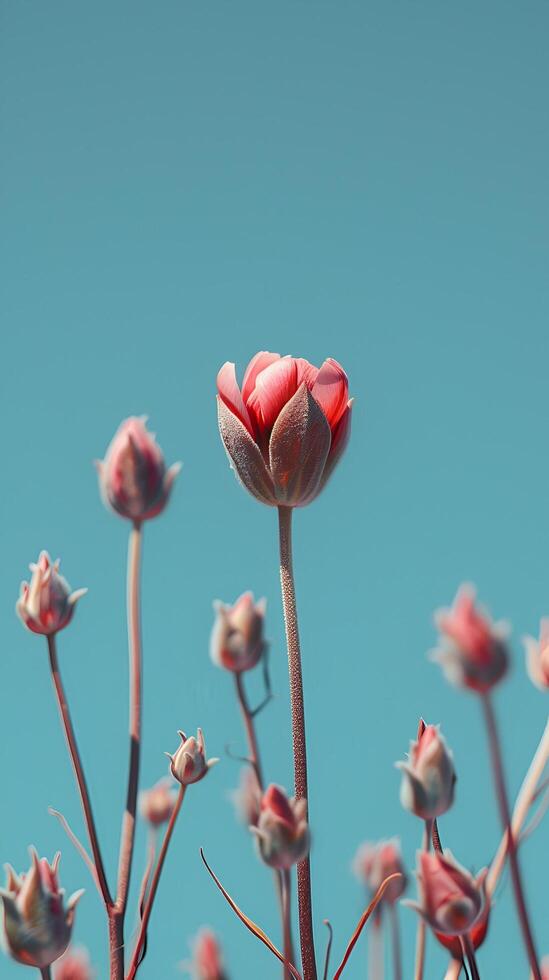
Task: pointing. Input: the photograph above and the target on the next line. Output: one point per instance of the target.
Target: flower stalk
(421, 935)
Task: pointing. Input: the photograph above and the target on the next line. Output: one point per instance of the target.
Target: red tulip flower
(286, 428)
(472, 649)
(451, 900)
(477, 934)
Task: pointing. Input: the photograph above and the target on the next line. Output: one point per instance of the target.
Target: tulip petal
(274, 387)
(340, 438)
(298, 449)
(258, 363)
(245, 456)
(331, 391)
(230, 394)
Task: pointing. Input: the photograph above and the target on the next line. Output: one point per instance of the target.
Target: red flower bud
(282, 831)
(428, 777)
(477, 934)
(287, 428)
(451, 900)
(189, 764)
(133, 478)
(158, 803)
(472, 651)
(374, 863)
(74, 965)
(47, 604)
(537, 657)
(207, 961)
(237, 641)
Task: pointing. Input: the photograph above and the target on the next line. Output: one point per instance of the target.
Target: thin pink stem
(395, 941)
(454, 970)
(306, 933)
(375, 951)
(286, 890)
(134, 965)
(505, 814)
(151, 852)
(72, 746)
(45, 973)
(421, 935)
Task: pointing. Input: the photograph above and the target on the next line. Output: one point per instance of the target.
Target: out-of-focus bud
(207, 963)
(472, 649)
(189, 764)
(74, 965)
(451, 900)
(545, 968)
(373, 863)
(37, 926)
(428, 777)
(282, 831)
(479, 931)
(46, 604)
(158, 803)
(247, 797)
(133, 478)
(537, 657)
(237, 641)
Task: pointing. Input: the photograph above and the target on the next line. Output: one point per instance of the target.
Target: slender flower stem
(286, 890)
(306, 933)
(375, 950)
(421, 934)
(454, 970)
(72, 746)
(395, 941)
(505, 814)
(469, 952)
(251, 735)
(45, 973)
(134, 965)
(134, 642)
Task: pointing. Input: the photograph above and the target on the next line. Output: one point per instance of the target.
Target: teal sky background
(185, 183)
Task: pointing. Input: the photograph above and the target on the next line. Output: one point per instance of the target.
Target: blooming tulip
(282, 832)
(133, 478)
(237, 641)
(37, 926)
(472, 651)
(247, 797)
(158, 803)
(451, 900)
(286, 429)
(537, 657)
(47, 604)
(74, 965)
(207, 961)
(374, 863)
(428, 777)
(189, 764)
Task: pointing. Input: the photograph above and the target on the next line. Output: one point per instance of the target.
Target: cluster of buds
(74, 965)
(282, 831)
(286, 429)
(537, 657)
(237, 641)
(450, 900)
(133, 478)
(207, 962)
(158, 803)
(37, 926)
(189, 764)
(373, 863)
(428, 777)
(472, 649)
(46, 604)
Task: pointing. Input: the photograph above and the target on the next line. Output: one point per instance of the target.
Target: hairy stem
(505, 814)
(305, 910)
(395, 941)
(421, 934)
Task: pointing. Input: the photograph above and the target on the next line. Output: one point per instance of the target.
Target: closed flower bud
(189, 764)
(537, 657)
(133, 478)
(428, 777)
(286, 429)
(158, 803)
(37, 926)
(247, 797)
(472, 650)
(237, 641)
(450, 899)
(282, 831)
(46, 604)
(74, 965)
(207, 963)
(478, 933)
(374, 863)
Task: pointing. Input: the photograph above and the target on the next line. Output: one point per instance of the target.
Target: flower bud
(247, 797)
(537, 657)
(451, 900)
(237, 641)
(428, 777)
(479, 931)
(189, 764)
(374, 863)
(472, 650)
(37, 927)
(74, 965)
(47, 604)
(207, 961)
(282, 831)
(158, 803)
(545, 968)
(133, 478)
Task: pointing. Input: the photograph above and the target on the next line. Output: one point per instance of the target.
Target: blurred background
(185, 183)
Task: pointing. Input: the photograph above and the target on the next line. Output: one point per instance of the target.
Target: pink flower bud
(37, 927)
(158, 803)
(537, 657)
(428, 777)
(472, 650)
(189, 764)
(207, 960)
(479, 931)
(133, 478)
(247, 798)
(282, 831)
(237, 641)
(47, 604)
(374, 863)
(545, 968)
(74, 965)
(287, 428)
(451, 900)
